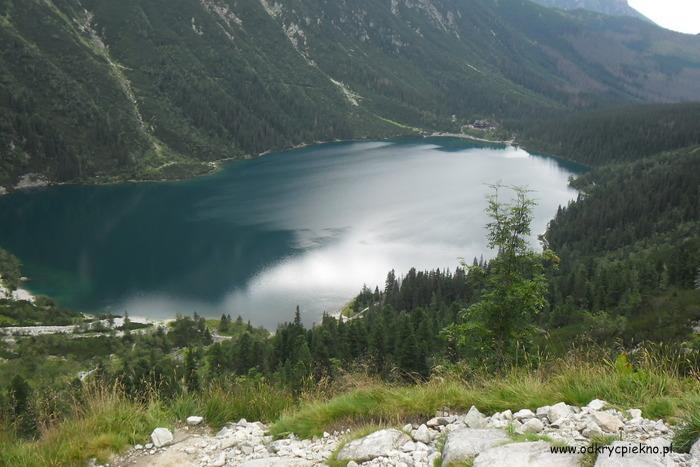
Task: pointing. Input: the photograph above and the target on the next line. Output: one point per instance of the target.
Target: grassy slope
(107, 422)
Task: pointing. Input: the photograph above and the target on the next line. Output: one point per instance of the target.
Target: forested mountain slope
(153, 89)
(608, 7)
(624, 133)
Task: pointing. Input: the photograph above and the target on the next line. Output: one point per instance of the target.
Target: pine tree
(192, 383)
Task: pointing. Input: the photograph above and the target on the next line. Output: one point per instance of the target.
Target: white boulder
(161, 437)
(558, 412)
(630, 459)
(422, 434)
(695, 452)
(465, 443)
(523, 414)
(377, 444)
(194, 421)
(474, 418)
(536, 454)
(542, 412)
(597, 404)
(278, 462)
(607, 422)
(533, 425)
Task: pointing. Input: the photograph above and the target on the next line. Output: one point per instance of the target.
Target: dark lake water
(306, 227)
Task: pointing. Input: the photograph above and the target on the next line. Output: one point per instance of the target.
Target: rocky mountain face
(97, 89)
(607, 7)
(523, 438)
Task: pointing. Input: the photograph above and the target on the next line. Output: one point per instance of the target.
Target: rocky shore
(522, 438)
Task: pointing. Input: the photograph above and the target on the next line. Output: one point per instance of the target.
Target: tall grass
(654, 384)
(689, 433)
(230, 401)
(104, 422)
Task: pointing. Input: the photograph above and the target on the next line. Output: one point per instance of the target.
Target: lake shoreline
(217, 165)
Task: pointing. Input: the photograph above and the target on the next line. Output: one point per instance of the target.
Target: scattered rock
(607, 422)
(474, 418)
(695, 451)
(194, 421)
(592, 430)
(558, 412)
(523, 414)
(597, 404)
(248, 444)
(542, 412)
(534, 425)
(464, 443)
(278, 462)
(525, 455)
(631, 460)
(219, 461)
(422, 434)
(437, 421)
(378, 444)
(161, 437)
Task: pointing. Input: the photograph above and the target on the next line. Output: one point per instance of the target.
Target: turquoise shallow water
(306, 227)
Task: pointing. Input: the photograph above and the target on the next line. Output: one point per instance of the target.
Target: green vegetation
(10, 270)
(689, 432)
(116, 420)
(500, 324)
(653, 384)
(100, 90)
(615, 134)
(390, 364)
(630, 252)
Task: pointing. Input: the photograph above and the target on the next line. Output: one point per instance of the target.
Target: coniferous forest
(609, 301)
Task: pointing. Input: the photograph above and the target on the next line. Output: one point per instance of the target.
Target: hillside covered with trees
(93, 90)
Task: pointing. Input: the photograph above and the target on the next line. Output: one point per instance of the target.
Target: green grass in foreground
(106, 422)
(689, 433)
(653, 387)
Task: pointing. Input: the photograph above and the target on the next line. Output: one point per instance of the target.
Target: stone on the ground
(591, 430)
(558, 412)
(465, 443)
(377, 444)
(542, 412)
(422, 434)
(277, 462)
(534, 425)
(194, 421)
(474, 418)
(161, 437)
(220, 461)
(437, 421)
(597, 404)
(536, 454)
(523, 414)
(607, 422)
(635, 413)
(695, 451)
(631, 460)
